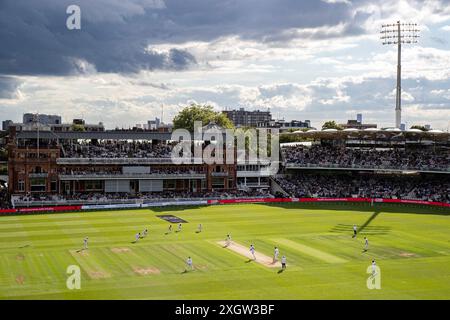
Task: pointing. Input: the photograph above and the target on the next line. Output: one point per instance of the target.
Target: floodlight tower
(399, 33)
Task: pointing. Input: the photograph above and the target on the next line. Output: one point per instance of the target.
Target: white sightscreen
(117, 186)
(150, 185)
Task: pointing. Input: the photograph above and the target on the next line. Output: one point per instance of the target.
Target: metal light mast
(399, 33)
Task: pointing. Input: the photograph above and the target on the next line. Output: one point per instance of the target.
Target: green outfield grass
(324, 262)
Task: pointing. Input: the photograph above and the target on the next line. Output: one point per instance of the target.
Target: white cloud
(311, 73)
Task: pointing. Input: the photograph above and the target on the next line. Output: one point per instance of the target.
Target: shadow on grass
(175, 208)
(380, 207)
(365, 224)
(384, 207)
(365, 228)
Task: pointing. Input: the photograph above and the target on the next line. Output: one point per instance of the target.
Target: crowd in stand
(326, 156)
(4, 201)
(117, 149)
(346, 186)
(147, 196)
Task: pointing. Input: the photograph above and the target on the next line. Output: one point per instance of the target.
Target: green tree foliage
(331, 125)
(204, 113)
(287, 138)
(3, 154)
(78, 127)
(419, 127)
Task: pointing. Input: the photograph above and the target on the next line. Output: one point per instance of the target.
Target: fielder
(199, 228)
(366, 244)
(144, 234)
(355, 229)
(189, 263)
(179, 227)
(252, 250)
(374, 268)
(170, 228)
(138, 236)
(275, 254)
(85, 243)
(283, 262)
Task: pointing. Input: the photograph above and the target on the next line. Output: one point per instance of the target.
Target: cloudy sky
(304, 59)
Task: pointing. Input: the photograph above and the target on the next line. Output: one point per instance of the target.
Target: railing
(37, 203)
(92, 161)
(89, 161)
(255, 184)
(365, 167)
(210, 201)
(219, 174)
(38, 175)
(253, 174)
(92, 176)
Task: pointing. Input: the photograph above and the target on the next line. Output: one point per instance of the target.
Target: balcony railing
(93, 161)
(43, 203)
(366, 167)
(38, 175)
(219, 174)
(254, 174)
(120, 176)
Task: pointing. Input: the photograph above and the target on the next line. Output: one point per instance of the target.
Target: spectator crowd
(144, 197)
(4, 200)
(117, 149)
(326, 156)
(365, 186)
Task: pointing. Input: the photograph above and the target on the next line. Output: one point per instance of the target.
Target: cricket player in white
(144, 234)
(179, 227)
(85, 242)
(283, 262)
(374, 268)
(366, 244)
(252, 250)
(275, 254)
(355, 229)
(228, 240)
(199, 228)
(189, 263)
(138, 235)
(170, 228)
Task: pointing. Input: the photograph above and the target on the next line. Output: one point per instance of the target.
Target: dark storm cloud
(114, 34)
(35, 39)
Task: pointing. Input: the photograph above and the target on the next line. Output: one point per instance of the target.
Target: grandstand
(370, 163)
(129, 167)
(118, 167)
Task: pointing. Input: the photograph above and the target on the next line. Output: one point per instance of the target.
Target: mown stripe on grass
(88, 262)
(324, 256)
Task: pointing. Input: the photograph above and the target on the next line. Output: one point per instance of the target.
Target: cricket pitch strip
(244, 251)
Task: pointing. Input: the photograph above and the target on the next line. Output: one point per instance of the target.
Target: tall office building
(243, 118)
